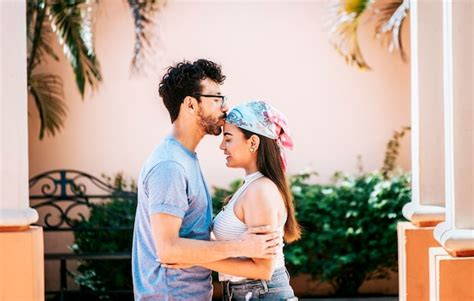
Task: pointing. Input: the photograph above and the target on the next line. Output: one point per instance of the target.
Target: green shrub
(117, 213)
(220, 195)
(349, 227)
(349, 231)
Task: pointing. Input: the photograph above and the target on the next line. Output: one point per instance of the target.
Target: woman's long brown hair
(270, 165)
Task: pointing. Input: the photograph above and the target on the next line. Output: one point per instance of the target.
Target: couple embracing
(176, 241)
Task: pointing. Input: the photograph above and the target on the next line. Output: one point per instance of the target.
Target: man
(174, 212)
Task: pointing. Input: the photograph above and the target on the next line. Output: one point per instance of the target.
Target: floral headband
(261, 118)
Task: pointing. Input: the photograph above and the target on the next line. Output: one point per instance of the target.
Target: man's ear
(189, 103)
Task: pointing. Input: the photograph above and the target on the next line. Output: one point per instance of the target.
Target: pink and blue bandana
(261, 118)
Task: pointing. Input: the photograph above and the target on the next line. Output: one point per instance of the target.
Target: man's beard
(210, 125)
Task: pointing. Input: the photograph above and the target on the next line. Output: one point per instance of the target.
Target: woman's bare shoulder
(264, 190)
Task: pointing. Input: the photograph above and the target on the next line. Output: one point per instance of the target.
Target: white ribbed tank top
(227, 226)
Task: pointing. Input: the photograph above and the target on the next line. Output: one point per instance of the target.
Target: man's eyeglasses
(223, 99)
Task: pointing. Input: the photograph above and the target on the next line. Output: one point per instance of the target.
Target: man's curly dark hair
(184, 80)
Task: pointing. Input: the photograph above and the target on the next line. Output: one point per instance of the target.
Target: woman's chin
(229, 164)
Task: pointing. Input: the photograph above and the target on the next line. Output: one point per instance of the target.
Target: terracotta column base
(22, 264)
(413, 261)
(14, 228)
(451, 278)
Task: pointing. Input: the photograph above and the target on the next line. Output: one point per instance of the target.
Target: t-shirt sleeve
(165, 186)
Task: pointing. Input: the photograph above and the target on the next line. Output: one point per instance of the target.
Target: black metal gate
(64, 200)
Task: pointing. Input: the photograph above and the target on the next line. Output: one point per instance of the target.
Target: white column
(427, 146)
(456, 234)
(14, 202)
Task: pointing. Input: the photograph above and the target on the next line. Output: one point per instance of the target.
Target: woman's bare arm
(259, 205)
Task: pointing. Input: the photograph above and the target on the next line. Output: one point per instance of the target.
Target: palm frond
(48, 94)
(143, 16)
(31, 9)
(38, 34)
(392, 152)
(71, 20)
(390, 18)
(344, 19)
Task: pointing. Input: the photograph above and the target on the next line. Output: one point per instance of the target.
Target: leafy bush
(349, 231)
(349, 227)
(220, 194)
(112, 222)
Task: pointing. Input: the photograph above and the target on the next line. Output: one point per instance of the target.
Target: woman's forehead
(230, 127)
(232, 130)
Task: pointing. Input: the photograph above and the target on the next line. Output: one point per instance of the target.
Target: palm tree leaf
(143, 13)
(32, 8)
(390, 18)
(71, 20)
(47, 91)
(344, 19)
(46, 37)
(38, 34)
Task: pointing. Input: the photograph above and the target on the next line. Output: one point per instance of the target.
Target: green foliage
(70, 23)
(118, 214)
(349, 227)
(349, 231)
(345, 17)
(144, 13)
(221, 195)
(47, 91)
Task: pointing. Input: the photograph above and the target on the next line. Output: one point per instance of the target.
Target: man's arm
(165, 186)
(259, 206)
(174, 249)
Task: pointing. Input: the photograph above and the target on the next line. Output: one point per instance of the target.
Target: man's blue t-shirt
(170, 182)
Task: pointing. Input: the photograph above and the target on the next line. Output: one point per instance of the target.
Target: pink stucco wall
(276, 51)
(272, 50)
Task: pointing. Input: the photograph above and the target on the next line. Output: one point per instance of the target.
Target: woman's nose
(225, 108)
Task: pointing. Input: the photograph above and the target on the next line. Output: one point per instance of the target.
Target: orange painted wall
(451, 278)
(413, 257)
(21, 265)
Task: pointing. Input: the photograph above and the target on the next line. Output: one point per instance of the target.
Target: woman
(254, 135)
